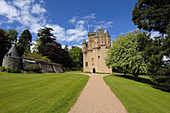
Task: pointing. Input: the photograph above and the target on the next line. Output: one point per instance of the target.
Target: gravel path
(97, 98)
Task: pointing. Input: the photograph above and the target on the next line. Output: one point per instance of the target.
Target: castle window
(102, 37)
(99, 51)
(97, 43)
(98, 57)
(92, 64)
(91, 52)
(102, 42)
(9, 54)
(108, 42)
(92, 59)
(86, 54)
(86, 64)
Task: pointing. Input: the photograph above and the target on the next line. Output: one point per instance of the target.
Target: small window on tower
(86, 64)
(102, 42)
(108, 42)
(99, 50)
(91, 52)
(102, 37)
(98, 57)
(97, 43)
(86, 54)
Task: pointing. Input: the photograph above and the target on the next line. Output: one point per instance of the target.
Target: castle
(95, 51)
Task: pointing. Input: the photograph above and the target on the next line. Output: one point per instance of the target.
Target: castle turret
(102, 37)
(12, 59)
(96, 40)
(84, 46)
(108, 41)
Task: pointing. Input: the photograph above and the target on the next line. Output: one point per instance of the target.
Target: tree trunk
(135, 76)
(125, 73)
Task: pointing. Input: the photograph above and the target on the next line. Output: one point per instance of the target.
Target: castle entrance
(94, 70)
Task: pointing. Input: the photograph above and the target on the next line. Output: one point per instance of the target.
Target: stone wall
(11, 62)
(96, 60)
(47, 67)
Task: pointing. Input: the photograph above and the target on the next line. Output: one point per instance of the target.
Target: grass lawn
(139, 97)
(39, 93)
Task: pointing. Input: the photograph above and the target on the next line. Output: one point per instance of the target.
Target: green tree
(4, 44)
(124, 53)
(12, 34)
(35, 56)
(152, 15)
(24, 42)
(77, 56)
(44, 36)
(56, 54)
(66, 48)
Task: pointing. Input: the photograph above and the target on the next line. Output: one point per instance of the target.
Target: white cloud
(155, 34)
(59, 32)
(37, 9)
(73, 19)
(104, 25)
(8, 11)
(42, 1)
(92, 16)
(31, 16)
(33, 45)
(20, 11)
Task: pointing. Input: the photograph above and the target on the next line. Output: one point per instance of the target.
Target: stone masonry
(95, 52)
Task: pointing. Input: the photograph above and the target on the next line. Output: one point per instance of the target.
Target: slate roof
(107, 33)
(12, 52)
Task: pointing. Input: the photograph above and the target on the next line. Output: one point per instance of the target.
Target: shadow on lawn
(144, 80)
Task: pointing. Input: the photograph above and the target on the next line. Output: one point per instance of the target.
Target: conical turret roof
(13, 52)
(106, 33)
(84, 41)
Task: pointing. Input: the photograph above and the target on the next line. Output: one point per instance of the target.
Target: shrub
(16, 70)
(2, 69)
(9, 70)
(33, 67)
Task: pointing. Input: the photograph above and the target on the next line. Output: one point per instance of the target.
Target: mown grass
(39, 93)
(139, 97)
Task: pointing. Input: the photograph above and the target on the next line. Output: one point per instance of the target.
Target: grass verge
(139, 97)
(33, 93)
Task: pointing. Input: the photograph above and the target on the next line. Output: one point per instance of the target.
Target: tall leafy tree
(152, 15)
(77, 56)
(66, 47)
(44, 37)
(56, 54)
(24, 42)
(124, 53)
(5, 44)
(12, 34)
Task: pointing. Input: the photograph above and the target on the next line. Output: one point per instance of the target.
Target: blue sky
(69, 18)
